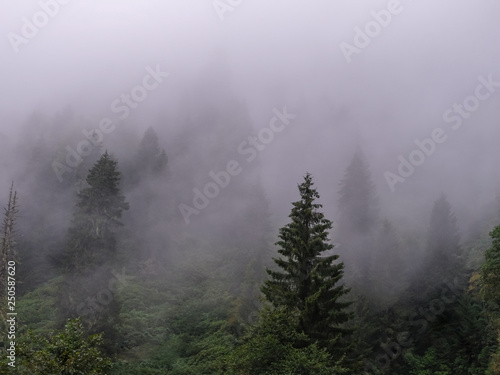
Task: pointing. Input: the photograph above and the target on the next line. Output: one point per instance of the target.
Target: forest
(237, 187)
(109, 279)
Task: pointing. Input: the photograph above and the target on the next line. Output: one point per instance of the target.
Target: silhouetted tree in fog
(91, 249)
(91, 239)
(147, 180)
(443, 258)
(387, 270)
(357, 201)
(150, 159)
(358, 217)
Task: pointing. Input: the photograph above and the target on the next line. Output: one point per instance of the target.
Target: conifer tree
(309, 280)
(150, 158)
(358, 218)
(490, 271)
(357, 202)
(99, 210)
(147, 178)
(90, 250)
(490, 279)
(443, 258)
(387, 271)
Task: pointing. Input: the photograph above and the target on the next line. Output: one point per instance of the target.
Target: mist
(244, 98)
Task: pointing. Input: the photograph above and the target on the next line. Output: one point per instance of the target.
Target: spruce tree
(387, 271)
(358, 218)
(490, 271)
(309, 280)
(91, 239)
(150, 158)
(147, 179)
(490, 290)
(90, 253)
(443, 260)
(442, 274)
(357, 198)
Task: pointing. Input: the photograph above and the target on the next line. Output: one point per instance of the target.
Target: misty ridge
(236, 187)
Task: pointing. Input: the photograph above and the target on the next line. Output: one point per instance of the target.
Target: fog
(241, 63)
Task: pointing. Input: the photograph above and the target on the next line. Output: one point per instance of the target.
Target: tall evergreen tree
(443, 260)
(357, 198)
(441, 283)
(387, 271)
(150, 159)
(309, 281)
(490, 279)
(151, 195)
(90, 250)
(358, 217)
(91, 239)
(490, 271)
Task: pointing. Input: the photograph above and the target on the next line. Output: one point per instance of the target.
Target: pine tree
(441, 282)
(147, 176)
(150, 158)
(490, 279)
(99, 209)
(309, 282)
(443, 260)
(90, 253)
(357, 202)
(490, 271)
(387, 271)
(358, 217)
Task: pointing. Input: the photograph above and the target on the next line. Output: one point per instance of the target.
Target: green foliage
(490, 271)
(494, 366)
(490, 290)
(37, 309)
(91, 247)
(428, 364)
(67, 352)
(274, 347)
(192, 294)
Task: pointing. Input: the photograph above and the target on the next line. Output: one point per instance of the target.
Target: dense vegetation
(111, 280)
